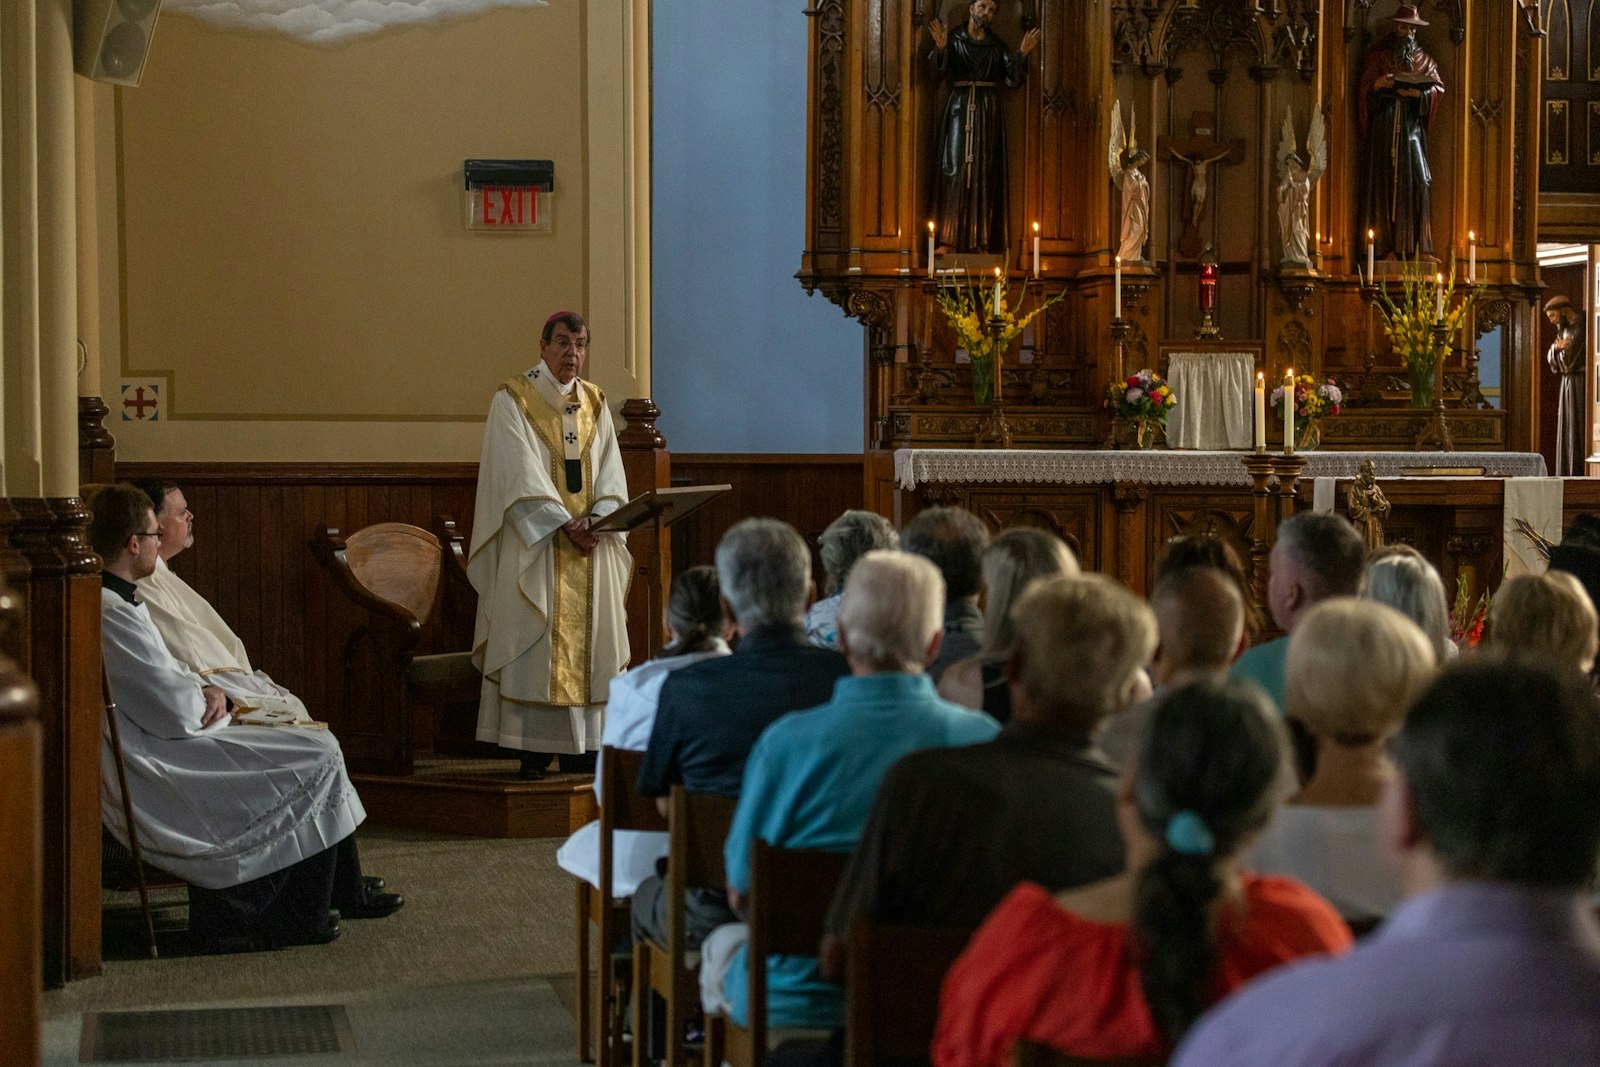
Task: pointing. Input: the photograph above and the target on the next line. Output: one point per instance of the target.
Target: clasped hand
(577, 531)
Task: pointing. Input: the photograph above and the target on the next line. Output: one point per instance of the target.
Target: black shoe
(534, 764)
(377, 906)
(328, 933)
(373, 884)
(576, 763)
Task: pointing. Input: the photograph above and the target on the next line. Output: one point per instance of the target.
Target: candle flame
(1472, 236)
(930, 225)
(1261, 376)
(997, 274)
(1119, 261)
(1036, 227)
(1369, 233)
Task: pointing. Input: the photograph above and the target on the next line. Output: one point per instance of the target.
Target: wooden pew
(892, 979)
(1034, 1054)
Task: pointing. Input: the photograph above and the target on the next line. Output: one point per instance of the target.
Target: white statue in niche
(1124, 158)
(1297, 172)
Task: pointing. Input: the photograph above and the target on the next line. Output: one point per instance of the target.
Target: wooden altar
(1118, 509)
(1218, 72)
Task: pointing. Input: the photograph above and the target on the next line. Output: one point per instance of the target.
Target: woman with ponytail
(1121, 968)
(696, 628)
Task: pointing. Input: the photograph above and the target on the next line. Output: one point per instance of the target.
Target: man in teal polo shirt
(811, 778)
(1317, 556)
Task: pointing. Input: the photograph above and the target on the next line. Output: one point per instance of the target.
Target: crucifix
(1196, 153)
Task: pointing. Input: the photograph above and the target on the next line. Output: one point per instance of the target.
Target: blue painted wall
(743, 360)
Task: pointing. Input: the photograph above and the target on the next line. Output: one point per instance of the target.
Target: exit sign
(510, 195)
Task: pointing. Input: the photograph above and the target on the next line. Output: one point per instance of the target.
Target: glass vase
(1309, 436)
(1144, 434)
(982, 380)
(1421, 385)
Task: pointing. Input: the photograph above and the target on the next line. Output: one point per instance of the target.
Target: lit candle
(1036, 250)
(1261, 411)
(1472, 256)
(1370, 275)
(1288, 412)
(997, 292)
(1208, 286)
(1438, 297)
(1118, 312)
(930, 248)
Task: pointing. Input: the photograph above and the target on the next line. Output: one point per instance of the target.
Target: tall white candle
(1261, 410)
(930, 248)
(1118, 312)
(1036, 250)
(1438, 297)
(1472, 257)
(997, 292)
(1370, 275)
(1288, 412)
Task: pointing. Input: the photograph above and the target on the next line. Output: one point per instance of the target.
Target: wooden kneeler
(790, 890)
(621, 808)
(127, 813)
(699, 828)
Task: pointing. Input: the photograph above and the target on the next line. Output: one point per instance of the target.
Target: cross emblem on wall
(141, 403)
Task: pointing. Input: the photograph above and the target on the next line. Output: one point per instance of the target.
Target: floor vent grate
(214, 1034)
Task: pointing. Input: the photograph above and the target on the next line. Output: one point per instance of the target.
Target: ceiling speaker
(111, 38)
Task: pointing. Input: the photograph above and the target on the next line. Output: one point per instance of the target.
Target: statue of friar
(970, 179)
(1566, 358)
(1398, 96)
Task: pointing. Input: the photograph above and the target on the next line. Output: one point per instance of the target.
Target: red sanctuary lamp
(1208, 297)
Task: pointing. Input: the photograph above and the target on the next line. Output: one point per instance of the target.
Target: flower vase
(982, 380)
(1309, 436)
(1144, 433)
(1421, 385)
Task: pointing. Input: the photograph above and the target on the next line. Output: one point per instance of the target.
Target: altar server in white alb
(552, 625)
(195, 634)
(257, 819)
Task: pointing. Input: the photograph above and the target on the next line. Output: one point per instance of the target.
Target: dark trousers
(282, 908)
(706, 909)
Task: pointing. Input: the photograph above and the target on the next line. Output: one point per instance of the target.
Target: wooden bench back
(1033, 1054)
(397, 562)
(790, 890)
(892, 983)
(622, 807)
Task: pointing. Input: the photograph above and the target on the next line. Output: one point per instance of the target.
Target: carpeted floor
(476, 969)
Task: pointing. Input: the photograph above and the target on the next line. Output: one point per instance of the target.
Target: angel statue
(1125, 157)
(1297, 172)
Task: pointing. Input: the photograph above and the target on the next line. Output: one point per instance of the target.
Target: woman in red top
(1122, 967)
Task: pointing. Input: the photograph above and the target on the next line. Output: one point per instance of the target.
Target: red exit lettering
(514, 205)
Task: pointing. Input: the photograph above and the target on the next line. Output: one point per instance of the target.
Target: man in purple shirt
(1493, 820)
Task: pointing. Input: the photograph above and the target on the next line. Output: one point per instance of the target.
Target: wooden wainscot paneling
(21, 833)
(807, 491)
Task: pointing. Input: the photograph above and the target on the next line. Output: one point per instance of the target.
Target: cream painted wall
(287, 254)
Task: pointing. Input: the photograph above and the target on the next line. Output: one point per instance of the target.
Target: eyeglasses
(155, 533)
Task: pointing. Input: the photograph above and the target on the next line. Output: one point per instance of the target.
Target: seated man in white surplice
(193, 631)
(258, 820)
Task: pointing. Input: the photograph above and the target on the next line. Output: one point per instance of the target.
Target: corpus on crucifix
(1197, 153)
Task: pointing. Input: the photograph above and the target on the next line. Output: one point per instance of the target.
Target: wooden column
(648, 465)
(21, 828)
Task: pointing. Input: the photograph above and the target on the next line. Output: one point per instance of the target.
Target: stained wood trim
(766, 459)
(303, 473)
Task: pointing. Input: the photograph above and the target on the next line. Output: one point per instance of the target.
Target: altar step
(479, 798)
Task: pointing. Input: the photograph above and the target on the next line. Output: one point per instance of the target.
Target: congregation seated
(953, 539)
(1493, 818)
(697, 629)
(258, 820)
(194, 633)
(1014, 560)
(1317, 556)
(1354, 667)
(952, 831)
(1120, 968)
(1200, 620)
(1546, 616)
(847, 538)
(1402, 578)
(811, 778)
(710, 713)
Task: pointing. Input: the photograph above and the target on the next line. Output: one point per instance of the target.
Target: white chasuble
(551, 627)
(218, 805)
(199, 639)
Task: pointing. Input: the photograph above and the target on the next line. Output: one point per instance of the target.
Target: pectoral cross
(1197, 152)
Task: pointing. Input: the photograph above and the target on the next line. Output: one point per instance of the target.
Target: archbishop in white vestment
(551, 627)
(199, 639)
(217, 805)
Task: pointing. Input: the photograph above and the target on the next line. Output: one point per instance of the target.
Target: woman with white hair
(1014, 560)
(1354, 668)
(1402, 578)
(847, 538)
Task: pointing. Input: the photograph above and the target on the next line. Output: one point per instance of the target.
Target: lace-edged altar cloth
(971, 466)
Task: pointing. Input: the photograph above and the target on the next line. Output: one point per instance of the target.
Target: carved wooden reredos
(1193, 73)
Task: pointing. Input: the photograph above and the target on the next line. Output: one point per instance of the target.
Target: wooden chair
(129, 823)
(621, 808)
(405, 584)
(698, 826)
(790, 890)
(1033, 1054)
(892, 979)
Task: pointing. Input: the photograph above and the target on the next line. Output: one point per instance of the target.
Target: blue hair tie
(1188, 834)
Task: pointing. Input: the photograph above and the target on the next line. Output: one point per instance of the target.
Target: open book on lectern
(669, 505)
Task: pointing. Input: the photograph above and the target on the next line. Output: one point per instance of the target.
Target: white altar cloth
(917, 466)
(1214, 391)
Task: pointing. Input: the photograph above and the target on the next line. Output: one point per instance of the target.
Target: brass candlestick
(995, 425)
(1437, 428)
